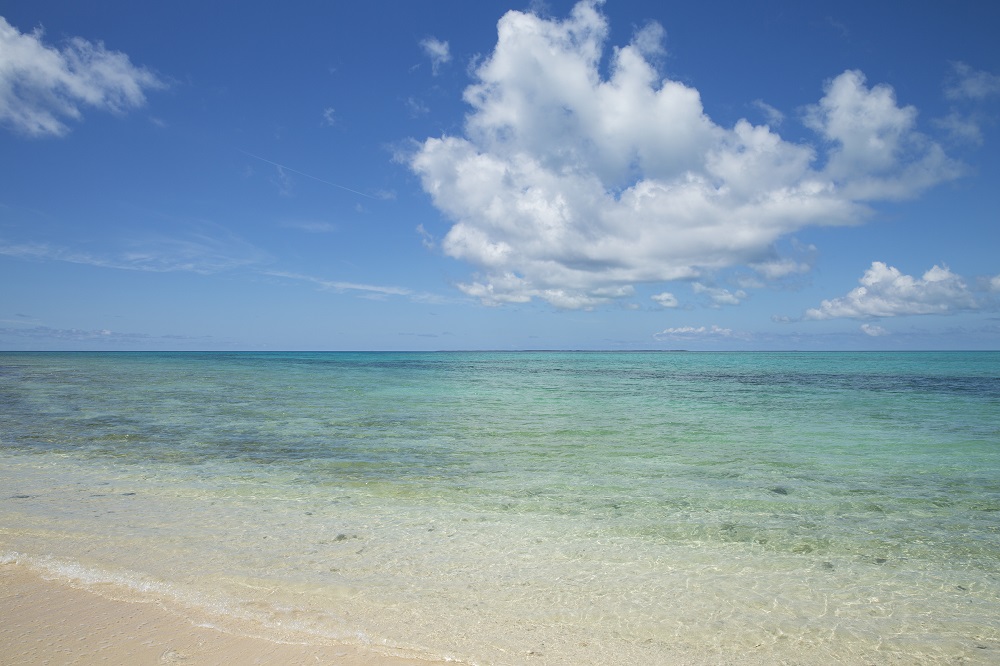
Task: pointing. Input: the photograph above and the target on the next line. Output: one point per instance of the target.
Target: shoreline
(54, 621)
(45, 621)
(542, 511)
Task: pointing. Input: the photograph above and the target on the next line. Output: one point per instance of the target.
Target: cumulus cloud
(665, 300)
(41, 86)
(718, 295)
(510, 288)
(886, 292)
(570, 186)
(873, 330)
(437, 51)
(649, 40)
(876, 151)
(694, 333)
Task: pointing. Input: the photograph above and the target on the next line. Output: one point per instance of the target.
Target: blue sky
(484, 175)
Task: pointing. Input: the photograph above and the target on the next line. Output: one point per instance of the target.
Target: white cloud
(649, 40)
(774, 116)
(329, 116)
(426, 239)
(873, 330)
(665, 300)
(877, 152)
(967, 83)
(995, 283)
(866, 123)
(41, 86)
(718, 295)
(961, 128)
(510, 288)
(566, 183)
(886, 292)
(368, 291)
(692, 333)
(417, 107)
(340, 286)
(437, 51)
(968, 87)
(779, 268)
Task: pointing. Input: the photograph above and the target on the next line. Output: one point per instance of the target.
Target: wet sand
(51, 622)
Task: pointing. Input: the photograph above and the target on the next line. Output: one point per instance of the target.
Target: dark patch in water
(779, 490)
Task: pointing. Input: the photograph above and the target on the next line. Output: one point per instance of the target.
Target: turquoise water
(532, 507)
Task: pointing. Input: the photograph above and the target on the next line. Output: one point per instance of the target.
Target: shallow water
(561, 508)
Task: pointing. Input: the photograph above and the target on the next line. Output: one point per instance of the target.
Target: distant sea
(529, 507)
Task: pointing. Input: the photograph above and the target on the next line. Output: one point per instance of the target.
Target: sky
(443, 174)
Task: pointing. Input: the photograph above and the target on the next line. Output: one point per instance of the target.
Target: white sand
(51, 622)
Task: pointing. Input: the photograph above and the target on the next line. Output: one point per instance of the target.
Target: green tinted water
(501, 507)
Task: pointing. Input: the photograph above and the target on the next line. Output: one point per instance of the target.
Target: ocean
(525, 507)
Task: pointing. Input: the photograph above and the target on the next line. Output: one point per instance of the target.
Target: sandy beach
(51, 622)
(507, 509)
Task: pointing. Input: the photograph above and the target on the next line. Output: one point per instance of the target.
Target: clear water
(507, 508)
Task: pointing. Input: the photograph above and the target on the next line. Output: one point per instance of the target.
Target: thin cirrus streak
(301, 173)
